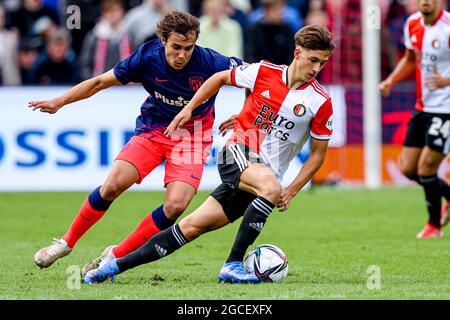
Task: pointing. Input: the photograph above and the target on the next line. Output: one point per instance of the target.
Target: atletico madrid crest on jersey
(195, 83)
(299, 110)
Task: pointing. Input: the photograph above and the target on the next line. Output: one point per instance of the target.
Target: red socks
(85, 219)
(143, 232)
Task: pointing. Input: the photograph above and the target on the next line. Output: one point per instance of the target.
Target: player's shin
(252, 223)
(149, 226)
(93, 208)
(160, 245)
(431, 187)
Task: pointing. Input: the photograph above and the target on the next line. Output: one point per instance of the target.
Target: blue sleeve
(222, 63)
(130, 69)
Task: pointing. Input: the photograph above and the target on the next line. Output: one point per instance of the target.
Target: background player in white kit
(285, 108)
(427, 41)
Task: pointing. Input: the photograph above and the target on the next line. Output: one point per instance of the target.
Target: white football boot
(45, 257)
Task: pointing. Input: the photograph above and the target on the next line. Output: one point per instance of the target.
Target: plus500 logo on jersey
(73, 148)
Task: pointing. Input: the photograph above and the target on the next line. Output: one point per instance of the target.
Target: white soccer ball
(267, 262)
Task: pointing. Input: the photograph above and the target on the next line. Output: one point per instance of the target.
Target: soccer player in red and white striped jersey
(427, 41)
(286, 107)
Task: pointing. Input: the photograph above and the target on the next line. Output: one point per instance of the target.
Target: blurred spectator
(130, 4)
(300, 5)
(57, 66)
(216, 26)
(33, 19)
(290, 15)
(317, 17)
(317, 14)
(195, 7)
(9, 68)
(271, 37)
(107, 43)
(52, 5)
(345, 65)
(11, 5)
(141, 21)
(236, 14)
(392, 34)
(90, 11)
(27, 56)
(351, 46)
(241, 5)
(180, 5)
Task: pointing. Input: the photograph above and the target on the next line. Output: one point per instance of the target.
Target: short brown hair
(315, 37)
(178, 22)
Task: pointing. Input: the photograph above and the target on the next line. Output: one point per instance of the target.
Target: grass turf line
(330, 236)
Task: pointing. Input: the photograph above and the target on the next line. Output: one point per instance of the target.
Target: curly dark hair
(178, 22)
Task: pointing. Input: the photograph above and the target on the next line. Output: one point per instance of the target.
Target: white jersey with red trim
(431, 45)
(276, 121)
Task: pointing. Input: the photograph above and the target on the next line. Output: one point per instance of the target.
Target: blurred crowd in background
(52, 42)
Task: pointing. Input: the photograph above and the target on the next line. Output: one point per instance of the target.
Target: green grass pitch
(330, 236)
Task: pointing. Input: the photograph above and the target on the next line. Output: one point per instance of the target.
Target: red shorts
(185, 160)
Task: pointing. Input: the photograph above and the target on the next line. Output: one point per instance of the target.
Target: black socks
(252, 223)
(160, 245)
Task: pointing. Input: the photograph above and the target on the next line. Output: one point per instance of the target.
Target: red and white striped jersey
(431, 44)
(276, 121)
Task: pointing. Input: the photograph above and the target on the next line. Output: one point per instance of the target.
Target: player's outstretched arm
(308, 170)
(404, 68)
(81, 91)
(206, 91)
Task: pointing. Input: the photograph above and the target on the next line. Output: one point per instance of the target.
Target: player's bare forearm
(88, 88)
(81, 91)
(207, 90)
(405, 67)
(311, 166)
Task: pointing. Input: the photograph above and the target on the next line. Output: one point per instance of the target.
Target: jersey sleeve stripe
(319, 136)
(271, 65)
(322, 93)
(322, 89)
(233, 77)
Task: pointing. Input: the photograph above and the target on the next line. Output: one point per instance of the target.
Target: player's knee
(192, 232)
(271, 190)
(111, 190)
(428, 166)
(410, 173)
(190, 229)
(174, 208)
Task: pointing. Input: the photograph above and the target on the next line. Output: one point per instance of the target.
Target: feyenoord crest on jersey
(435, 44)
(299, 110)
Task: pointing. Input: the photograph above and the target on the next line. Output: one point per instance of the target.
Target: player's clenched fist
(50, 106)
(385, 88)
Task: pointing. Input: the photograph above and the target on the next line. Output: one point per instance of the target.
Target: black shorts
(429, 129)
(233, 201)
(233, 160)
